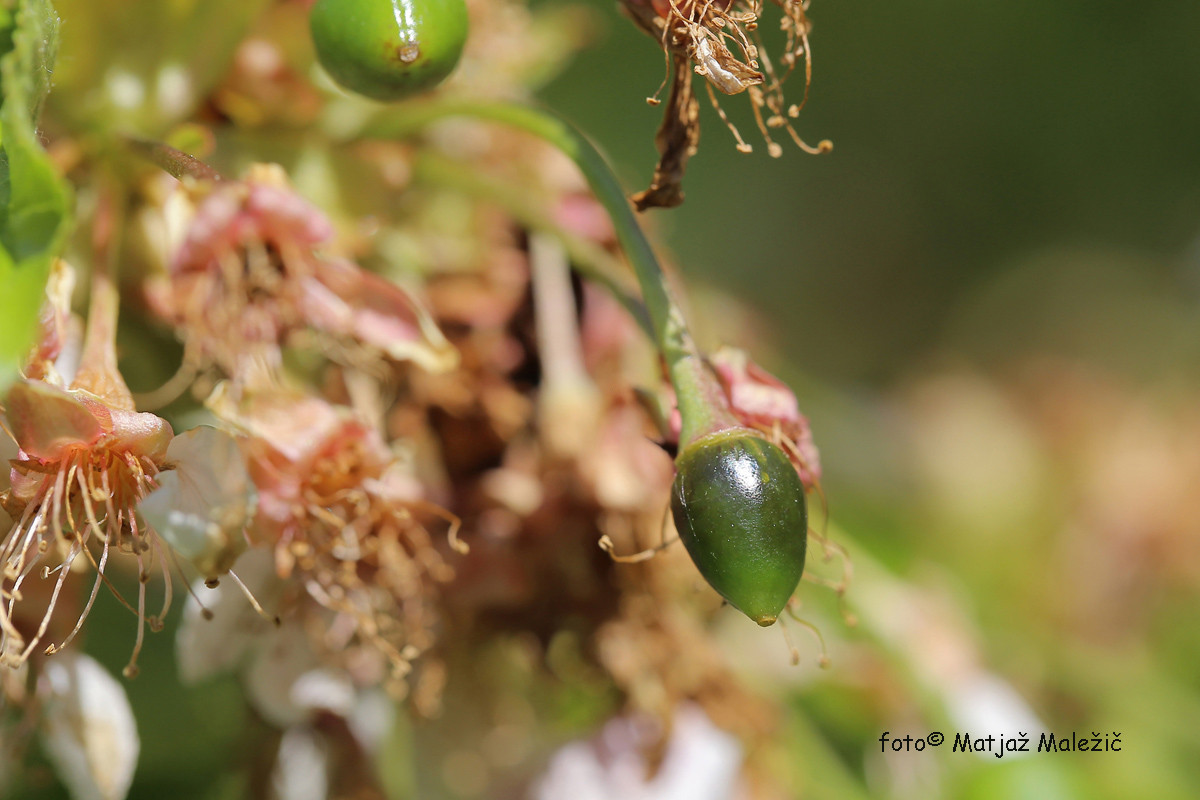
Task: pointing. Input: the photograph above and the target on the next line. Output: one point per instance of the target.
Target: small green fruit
(739, 508)
(389, 49)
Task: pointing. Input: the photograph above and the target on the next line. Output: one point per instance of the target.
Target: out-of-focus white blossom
(88, 729)
(202, 506)
(701, 762)
(302, 766)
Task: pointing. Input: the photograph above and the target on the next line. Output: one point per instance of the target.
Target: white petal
(326, 690)
(201, 507)
(987, 702)
(207, 647)
(287, 684)
(702, 762)
(88, 731)
(302, 769)
(372, 719)
(280, 659)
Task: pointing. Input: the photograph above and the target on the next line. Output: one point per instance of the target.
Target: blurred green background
(986, 297)
(967, 140)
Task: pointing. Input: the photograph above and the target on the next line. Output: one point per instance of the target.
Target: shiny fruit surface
(389, 49)
(740, 510)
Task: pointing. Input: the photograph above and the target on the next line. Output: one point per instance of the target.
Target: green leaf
(34, 200)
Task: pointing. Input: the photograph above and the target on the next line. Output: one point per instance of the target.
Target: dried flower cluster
(338, 431)
(721, 42)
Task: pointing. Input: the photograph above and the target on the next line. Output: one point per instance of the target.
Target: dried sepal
(56, 352)
(758, 400)
(762, 401)
(677, 140)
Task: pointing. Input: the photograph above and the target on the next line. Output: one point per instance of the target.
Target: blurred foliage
(34, 201)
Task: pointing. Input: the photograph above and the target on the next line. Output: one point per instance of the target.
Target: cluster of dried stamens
(248, 276)
(82, 502)
(234, 278)
(86, 458)
(720, 40)
(709, 32)
(348, 525)
(705, 31)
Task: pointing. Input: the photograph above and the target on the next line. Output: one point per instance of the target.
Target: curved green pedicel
(389, 49)
(739, 508)
(738, 502)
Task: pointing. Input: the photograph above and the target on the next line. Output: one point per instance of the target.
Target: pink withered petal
(762, 401)
(281, 213)
(211, 232)
(250, 277)
(294, 425)
(48, 421)
(351, 303)
(85, 458)
(756, 395)
(263, 208)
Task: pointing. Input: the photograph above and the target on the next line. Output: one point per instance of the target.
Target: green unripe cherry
(389, 49)
(739, 509)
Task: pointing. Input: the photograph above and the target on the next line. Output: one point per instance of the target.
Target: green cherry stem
(702, 404)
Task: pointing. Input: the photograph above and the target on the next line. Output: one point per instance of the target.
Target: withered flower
(345, 522)
(85, 459)
(719, 40)
(249, 276)
(762, 401)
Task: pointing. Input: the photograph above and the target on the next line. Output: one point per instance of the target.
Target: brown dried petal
(677, 140)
